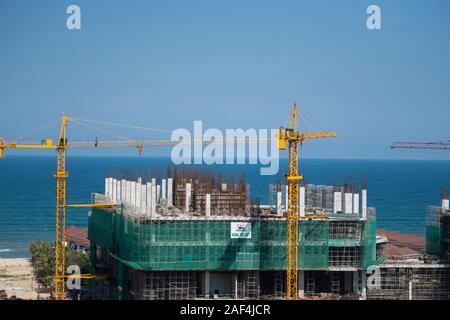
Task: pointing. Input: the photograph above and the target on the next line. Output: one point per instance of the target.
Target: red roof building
(77, 238)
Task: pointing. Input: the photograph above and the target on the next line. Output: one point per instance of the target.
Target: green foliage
(78, 258)
(43, 260)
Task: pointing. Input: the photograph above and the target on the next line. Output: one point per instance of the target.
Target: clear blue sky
(233, 64)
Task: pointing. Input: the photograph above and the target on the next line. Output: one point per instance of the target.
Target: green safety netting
(207, 245)
(436, 231)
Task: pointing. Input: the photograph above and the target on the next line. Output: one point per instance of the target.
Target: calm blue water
(400, 190)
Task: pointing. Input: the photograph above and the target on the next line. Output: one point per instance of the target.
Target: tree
(43, 261)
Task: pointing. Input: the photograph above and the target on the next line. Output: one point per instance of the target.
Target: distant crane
(294, 137)
(421, 145)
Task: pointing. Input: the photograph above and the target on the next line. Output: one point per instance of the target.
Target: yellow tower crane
(61, 177)
(294, 137)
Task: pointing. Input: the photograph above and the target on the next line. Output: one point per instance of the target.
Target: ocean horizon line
(168, 157)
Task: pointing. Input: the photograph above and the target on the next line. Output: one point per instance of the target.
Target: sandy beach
(16, 278)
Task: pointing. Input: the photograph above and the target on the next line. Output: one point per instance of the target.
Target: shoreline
(16, 278)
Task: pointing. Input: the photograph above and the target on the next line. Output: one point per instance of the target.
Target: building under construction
(418, 275)
(193, 235)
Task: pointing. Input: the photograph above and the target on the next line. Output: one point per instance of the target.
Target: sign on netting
(241, 230)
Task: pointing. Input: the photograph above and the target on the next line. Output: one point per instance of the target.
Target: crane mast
(60, 230)
(294, 138)
(292, 229)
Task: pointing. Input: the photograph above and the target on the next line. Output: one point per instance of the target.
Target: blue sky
(232, 64)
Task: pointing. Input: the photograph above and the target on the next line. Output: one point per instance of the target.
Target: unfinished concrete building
(417, 275)
(191, 236)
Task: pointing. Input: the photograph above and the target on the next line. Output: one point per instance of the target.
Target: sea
(400, 190)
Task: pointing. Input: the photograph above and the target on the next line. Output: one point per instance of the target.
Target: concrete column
(138, 194)
(301, 284)
(188, 197)
(111, 187)
(337, 207)
(163, 189)
(286, 197)
(207, 284)
(445, 204)
(133, 193)
(348, 281)
(113, 190)
(356, 203)
(364, 203)
(144, 198)
(348, 202)
(355, 282)
(153, 204)
(106, 187)
(148, 199)
(279, 205)
(123, 191)
(410, 290)
(208, 205)
(169, 191)
(128, 196)
(158, 193)
(301, 200)
(363, 285)
(248, 192)
(235, 285)
(118, 191)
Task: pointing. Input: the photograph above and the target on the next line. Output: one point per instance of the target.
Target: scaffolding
(227, 195)
(233, 201)
(173, 285)
(410, 282)
(310, 284)
(279, 284)
(247, 285)
(319, 196)
(316, 196)
(346, 257)
(340, 230)
(335, 284)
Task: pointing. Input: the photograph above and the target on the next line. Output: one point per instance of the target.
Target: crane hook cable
(310, 120)
(121, 125)
(99, 130)
(38, 129)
